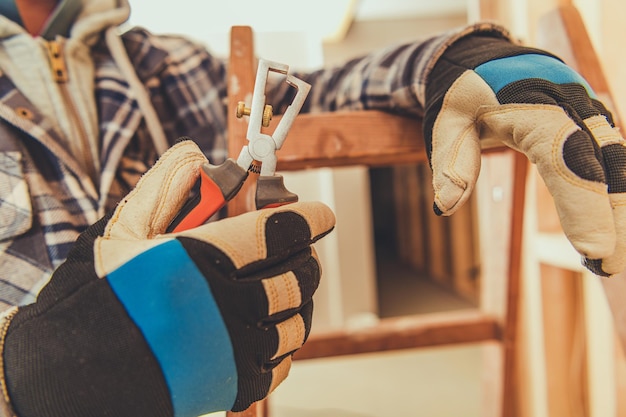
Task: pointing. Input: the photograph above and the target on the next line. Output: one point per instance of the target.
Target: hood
(94, 18)
(97, 16)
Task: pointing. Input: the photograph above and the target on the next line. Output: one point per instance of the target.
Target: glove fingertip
(182, 139)
(319, 216)
(606, 267)
(450, 196)
(595, 266)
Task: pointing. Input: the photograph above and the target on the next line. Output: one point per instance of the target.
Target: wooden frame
(375, 138)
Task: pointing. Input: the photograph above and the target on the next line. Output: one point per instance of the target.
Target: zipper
(60, 74)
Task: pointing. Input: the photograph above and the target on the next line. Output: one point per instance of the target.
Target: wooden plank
(418, 208)
(495, 191)
(407, 332)
(369, 137)
(258, 409)
(490, 9)
(564, 342)
(563, 32)
(615, 289)
(599, 348)
(241, 76)
(513, 294)
(401, 211)
(620, 379)
(240, 87)
(492, 372)
(463, 251)
(584, 57)
(436, 240)
(409, 209)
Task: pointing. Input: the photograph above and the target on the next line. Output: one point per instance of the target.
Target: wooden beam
(240, 87)
(370, 138)
(564, 342)
(406, 332)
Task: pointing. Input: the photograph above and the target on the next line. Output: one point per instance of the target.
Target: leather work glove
(488, 88)
(139, 323)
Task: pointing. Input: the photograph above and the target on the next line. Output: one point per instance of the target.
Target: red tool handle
(217, 185)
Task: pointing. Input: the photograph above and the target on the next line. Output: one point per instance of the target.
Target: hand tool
(220, 183)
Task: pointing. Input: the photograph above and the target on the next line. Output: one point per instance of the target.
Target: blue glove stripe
(172, 304)
(501, 72)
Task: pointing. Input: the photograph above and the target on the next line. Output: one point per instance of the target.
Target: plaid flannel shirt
(46, 200)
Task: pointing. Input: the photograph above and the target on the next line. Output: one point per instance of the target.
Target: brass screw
(268, 113)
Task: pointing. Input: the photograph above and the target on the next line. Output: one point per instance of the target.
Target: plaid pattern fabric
(391, 79)
(46, 200)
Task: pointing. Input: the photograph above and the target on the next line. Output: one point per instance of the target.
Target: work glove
(486, 88)
(140, 323)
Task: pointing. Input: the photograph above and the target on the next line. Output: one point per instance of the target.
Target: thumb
(262, 236)
(159, 195)
(455, 154)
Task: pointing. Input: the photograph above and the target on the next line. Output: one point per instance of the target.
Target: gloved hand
(488, 88)
(138, 323)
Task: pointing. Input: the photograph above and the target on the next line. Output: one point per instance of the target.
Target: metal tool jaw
(262, 147)
(218, 184)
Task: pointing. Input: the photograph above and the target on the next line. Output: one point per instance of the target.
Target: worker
(106, 314)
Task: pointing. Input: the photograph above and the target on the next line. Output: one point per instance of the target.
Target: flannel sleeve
(390, 79)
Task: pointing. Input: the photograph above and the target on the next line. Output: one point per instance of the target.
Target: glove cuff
(471, 51)
(5, 402)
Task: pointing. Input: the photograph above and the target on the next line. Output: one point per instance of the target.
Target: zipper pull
(57, 63)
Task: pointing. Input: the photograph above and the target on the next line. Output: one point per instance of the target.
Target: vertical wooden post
(564, 342)
(511, 321)
(241, 76)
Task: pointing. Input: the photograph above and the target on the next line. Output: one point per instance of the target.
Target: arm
(390, 79)
(140, 322)
(477, 84)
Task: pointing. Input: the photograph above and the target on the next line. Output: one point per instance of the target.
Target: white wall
(210, 20)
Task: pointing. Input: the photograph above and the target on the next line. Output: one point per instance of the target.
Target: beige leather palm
(539, 131)
(139, 221)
